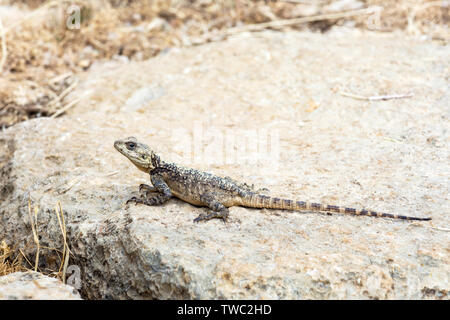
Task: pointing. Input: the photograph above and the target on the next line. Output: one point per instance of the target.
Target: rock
(34, 286)
(249, 87)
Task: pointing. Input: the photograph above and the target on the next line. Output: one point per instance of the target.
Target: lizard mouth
(120, 146)
(117, 146)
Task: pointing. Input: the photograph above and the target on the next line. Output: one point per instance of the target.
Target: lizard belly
(225, 199)
(187, 198)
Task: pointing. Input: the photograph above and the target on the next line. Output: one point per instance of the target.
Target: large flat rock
(195, 106)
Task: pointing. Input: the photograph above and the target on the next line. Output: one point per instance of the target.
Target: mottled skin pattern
(216, 193)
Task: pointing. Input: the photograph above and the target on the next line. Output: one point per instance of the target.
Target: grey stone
(389, 156)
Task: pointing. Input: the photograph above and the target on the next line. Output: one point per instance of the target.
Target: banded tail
(261, 201)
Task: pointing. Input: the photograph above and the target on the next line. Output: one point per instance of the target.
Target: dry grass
(38, 47)
(16, 260)
(9, 261)
(66, 252)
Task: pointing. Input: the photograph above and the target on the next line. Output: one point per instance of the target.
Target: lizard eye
(131, 145)
(144, 156)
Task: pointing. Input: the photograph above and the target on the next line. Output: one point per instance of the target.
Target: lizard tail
(261, 201)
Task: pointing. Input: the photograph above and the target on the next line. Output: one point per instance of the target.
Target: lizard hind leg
(218, 210)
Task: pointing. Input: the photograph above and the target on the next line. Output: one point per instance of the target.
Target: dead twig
(290, 22)
(111, 174)
(63, 94)
(66, 251)
(23, 254)
(439, 228)
(377, 98)
(210, 36)
(34, 229)
(65, 108)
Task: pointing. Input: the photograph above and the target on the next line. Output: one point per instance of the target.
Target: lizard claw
(200, 217)
(133, 199)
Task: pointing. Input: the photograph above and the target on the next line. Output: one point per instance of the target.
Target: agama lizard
(205, 189)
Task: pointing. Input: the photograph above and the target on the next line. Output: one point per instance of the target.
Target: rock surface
(34, 286)
(188, 104)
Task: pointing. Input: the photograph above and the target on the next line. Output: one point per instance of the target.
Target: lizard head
(140, 154)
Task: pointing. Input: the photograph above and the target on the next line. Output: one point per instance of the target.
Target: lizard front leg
(218, 210)
(156, 195)
(147, 191)
(147, 188)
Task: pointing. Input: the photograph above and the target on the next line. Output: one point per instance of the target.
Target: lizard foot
(134, 199)
(211, 215)
(153, 201)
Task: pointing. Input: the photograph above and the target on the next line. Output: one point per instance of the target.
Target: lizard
(208, 190)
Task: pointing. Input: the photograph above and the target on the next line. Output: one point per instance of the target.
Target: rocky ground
(205, 107)
(34, 286)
